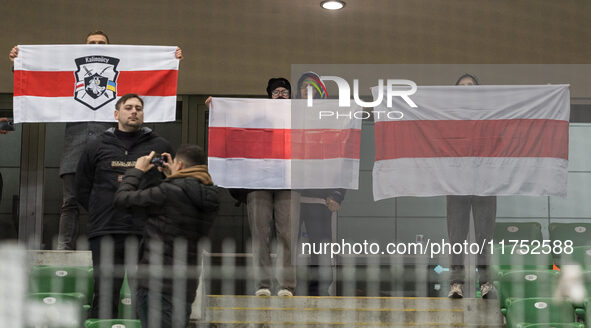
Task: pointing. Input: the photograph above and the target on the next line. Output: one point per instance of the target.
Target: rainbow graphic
(313, 79)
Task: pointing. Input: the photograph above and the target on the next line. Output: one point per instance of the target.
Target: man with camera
(98, 175)
(180, 212)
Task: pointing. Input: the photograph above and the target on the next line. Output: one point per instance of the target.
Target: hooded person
(317, 208)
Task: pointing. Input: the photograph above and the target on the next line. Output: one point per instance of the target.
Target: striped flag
(282, 144)
(73, 83)
(474, 140)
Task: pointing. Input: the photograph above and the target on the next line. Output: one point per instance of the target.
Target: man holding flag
(77, 136)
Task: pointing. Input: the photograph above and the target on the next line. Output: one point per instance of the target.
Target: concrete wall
(233, 47)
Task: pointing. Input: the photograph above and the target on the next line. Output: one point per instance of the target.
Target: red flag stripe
(471, 138)
(62, 84)
(283, 143)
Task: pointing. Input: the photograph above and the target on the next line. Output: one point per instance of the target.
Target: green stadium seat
(125, 307)
(526, 284)
(112, 323)
(552, 325)
(512, 258)
(585, 312)
(579, 233)
(52, 279)
(581, 255)
(538, 310)
(587, 280)
(64, 310)
(517, 231)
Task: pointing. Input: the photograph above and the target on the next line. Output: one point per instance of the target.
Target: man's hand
(332, 205)
(178, 54)
(143, 163)
(167, 165)
(13, 53)
(208, 101)
(3, 119)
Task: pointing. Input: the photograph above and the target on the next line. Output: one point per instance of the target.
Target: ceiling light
(332, 4)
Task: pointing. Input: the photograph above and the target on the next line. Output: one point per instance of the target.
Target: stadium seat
(581, 255)
(56, 309)
(125, 307)
(579, 233)
(52, 279)
(517, 231)
(585, 312)
(526, 284)
(587, 279)
(112, 323)
(552, 325)
(512, 258)
(538, 310)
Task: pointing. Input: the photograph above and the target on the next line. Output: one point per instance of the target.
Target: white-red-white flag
(474, 140)
(74, 83)
(282, 144)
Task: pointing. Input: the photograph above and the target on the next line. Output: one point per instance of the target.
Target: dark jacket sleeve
(128, 195)
(169, 149)
(337, 195)
(85, 177)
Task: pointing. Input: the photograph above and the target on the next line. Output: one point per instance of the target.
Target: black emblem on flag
(96, 80)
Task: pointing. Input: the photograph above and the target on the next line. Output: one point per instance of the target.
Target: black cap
(277, 82)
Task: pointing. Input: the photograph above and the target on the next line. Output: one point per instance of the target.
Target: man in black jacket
(98, 175)
(180, 212)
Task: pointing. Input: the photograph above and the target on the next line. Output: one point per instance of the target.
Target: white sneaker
(284, 292)
(263, 292)
(456, 290)
(487, 291)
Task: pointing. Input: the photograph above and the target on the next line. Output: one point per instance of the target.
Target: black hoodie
(182, 207)
(99, 173)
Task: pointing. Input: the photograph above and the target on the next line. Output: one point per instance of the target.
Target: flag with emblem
(73, 83)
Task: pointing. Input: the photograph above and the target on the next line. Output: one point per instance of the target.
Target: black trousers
(110, 260)
(69, 222)
(318, 221)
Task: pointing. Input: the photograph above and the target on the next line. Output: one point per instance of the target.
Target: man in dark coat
(98, 175)
(180, 212)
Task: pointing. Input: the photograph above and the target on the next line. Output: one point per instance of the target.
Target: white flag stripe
(484, 102)
(470, 176)
(305, 174)
(334, 172)
(156, 109)
(250, 113)
(59, 57)
(242, 173)
(280, 114)
(324, 114)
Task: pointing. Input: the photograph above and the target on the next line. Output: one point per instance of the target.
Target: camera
(158, 160)
(7, 126)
